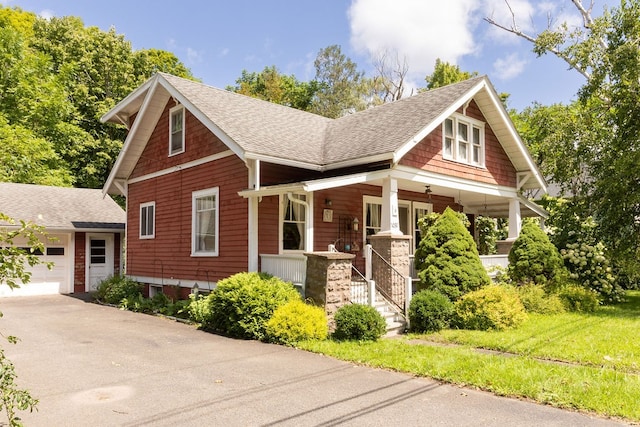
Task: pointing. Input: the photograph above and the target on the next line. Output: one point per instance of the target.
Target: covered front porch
(342, 213)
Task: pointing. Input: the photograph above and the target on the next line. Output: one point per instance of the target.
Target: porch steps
(396, 323)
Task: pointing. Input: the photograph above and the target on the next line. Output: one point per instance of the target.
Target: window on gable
(294, 223)
(463, 140)
(205, 222)
(147, 220)
(176, 130)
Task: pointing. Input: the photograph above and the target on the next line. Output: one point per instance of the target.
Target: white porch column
(252, 226)
(390, 220)
(515, 221)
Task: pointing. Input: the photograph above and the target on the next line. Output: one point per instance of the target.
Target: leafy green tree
(13, 273)
(445, 74)
(534, 259)
(447, 259)
(342, 89)
(270, 85)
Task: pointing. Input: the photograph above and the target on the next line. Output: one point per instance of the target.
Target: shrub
(297, 321)
(199, 308)
(447, 258)
(429, 311)
(359, 323)
(533, 258)
(577, 298)
(116, 288)
(536, 300)
(242, 304)
(492, 307)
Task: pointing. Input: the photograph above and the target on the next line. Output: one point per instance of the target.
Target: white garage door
(45, 281)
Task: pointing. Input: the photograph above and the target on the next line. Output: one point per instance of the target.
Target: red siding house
(218, 183)
(84, 236)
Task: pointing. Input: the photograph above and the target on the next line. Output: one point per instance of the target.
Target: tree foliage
(57, 78)
(447, 259)
(445, 74)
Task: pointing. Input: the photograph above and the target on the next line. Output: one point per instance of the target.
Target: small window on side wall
(147, 220)
(176, 130)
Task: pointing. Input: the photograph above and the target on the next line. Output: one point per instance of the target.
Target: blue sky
(217, 39)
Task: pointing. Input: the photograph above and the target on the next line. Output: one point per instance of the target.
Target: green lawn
(602, 350)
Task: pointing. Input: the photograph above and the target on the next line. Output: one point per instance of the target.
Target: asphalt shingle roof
(59, 207)
(264, 128)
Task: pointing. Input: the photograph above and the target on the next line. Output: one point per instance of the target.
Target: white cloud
(224, 52)
(508, 67)
(193, 56)
(417, 30)
(47, 14)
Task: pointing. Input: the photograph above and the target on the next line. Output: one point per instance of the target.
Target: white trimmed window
(293, 220)
(372, 216)
(205, 222)
(463, 140)
(148, 220)
(176, 130)
(419, 210)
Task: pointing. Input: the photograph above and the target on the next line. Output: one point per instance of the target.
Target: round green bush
(447, 258)
(579, 299)
(116, 288)
(297, 321)
(492, 307)
(242, 304)
(359, 322)
(199, 309)
(534, 259)
(536, 300)
(429, 311)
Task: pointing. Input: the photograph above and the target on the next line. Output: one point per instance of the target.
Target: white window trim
(215, 191)
(471, 122)
(171, 113)
(142, 207)
(308, 229)
(414, 218)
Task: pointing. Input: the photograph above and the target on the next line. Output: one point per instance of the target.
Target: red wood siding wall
(427, 155)
(199, 142)
(79, 263)
(169, 253)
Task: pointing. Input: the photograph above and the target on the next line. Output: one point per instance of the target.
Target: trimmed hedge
(358, 322)
(297, 321)
(429, 311)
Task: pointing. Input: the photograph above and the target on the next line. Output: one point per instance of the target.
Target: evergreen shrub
(429, 311)
(534, 259)
(447, 259)
(297, 321)
(492, 307)
(358, 322)
(242, 304)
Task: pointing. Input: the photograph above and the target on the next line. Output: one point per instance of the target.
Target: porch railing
(361, 289)
(291, 268)
(389, 282)
(489, 262)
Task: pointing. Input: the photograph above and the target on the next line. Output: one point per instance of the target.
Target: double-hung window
(176, 130)
(463, 140)
(294, 222)
(372, 216)
(205, 222)
(148, 220)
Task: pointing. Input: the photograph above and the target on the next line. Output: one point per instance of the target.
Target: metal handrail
(382, 291)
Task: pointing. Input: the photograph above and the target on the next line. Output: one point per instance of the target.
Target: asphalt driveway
(91, 365)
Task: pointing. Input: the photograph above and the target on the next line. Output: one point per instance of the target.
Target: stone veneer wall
(395, 249)
(328, 281)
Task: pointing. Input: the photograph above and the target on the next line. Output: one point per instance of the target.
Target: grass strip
(603, 391)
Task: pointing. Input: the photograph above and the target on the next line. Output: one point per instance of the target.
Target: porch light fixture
(428, 192)
(355, 224)
(328, 202)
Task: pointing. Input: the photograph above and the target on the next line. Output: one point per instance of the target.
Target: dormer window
(176, 130)
(463, 140)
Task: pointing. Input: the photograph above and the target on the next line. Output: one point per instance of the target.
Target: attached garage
(83, 241)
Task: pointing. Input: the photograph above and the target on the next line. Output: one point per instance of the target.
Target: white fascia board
(140, 91)
(359, 161)
(203, 118)
(407, 146)
(274, 190)
(127, 142)
(430, 178)
(345, 180)
(516, 136)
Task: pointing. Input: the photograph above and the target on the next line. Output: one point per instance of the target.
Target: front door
(99, 259)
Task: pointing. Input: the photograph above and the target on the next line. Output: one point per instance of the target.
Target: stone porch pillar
(328, 281)
(395, 249)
